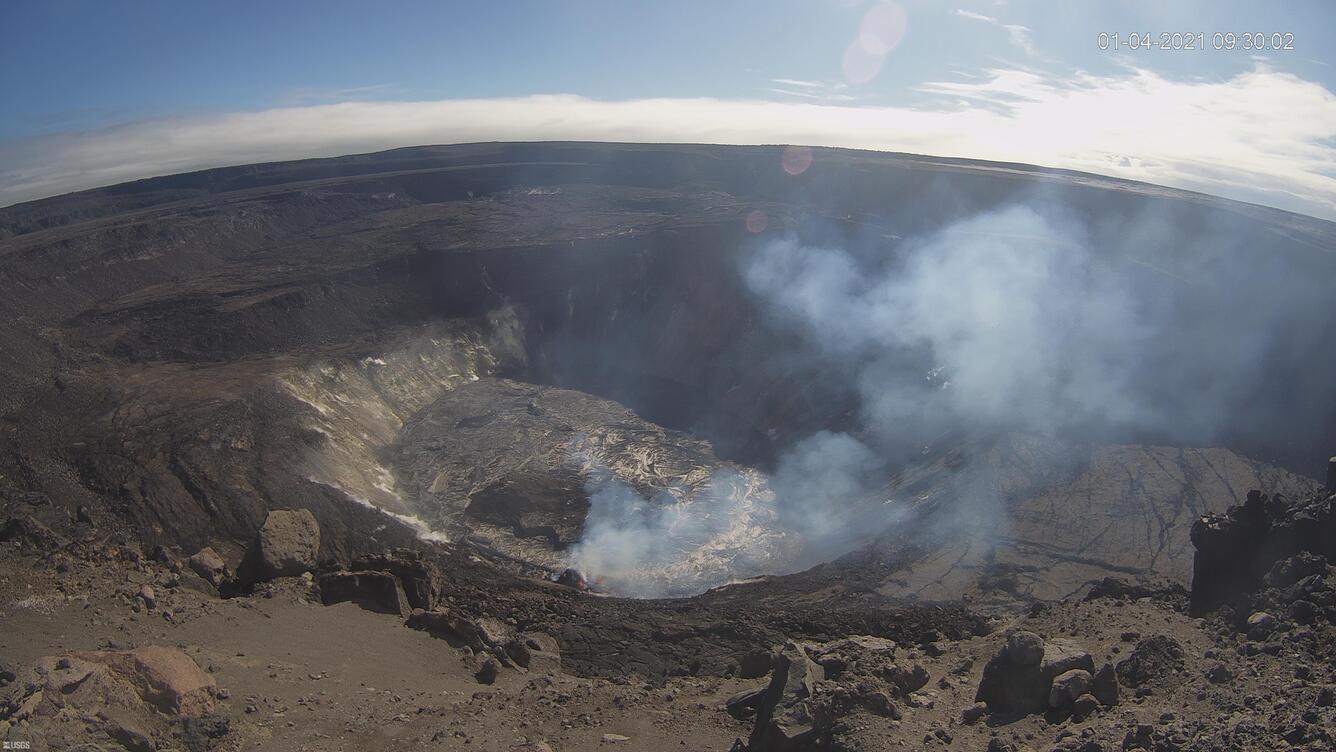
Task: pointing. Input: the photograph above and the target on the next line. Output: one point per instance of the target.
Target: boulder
(973, 714)
(1068, 686)
(1104, 685)
(487, 671)
(1219, 674)
(880, 703)
(1061, 656)
(1084, 706)
(1013, 680)
(147, 595)
(374, 591)
(166, 678)
(1025, 649)
(1260, 625)
(517, 650)
(784, 718)
(287, 545)
(208, 565)
(1286, 572)
(544, 652)
(906, 680)
(1156, 659)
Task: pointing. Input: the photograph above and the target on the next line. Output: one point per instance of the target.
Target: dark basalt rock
(1019, 679)
(1170, 594)
(374, 591)
(1236, 550)
(1158, 659)
(417, 575)
(785, 714)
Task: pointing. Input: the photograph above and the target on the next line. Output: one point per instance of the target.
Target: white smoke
(1011, 321)
(673, 542)
(1023, 328)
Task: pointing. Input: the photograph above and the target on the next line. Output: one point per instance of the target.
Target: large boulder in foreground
(286, 546)
(785, 719)
(1013, 680)
(163, 677)
(1020, 679)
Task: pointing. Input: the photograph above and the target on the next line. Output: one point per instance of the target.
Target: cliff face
(1263, 542)
(185, 353)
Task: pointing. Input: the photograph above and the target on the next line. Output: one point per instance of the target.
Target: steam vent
(578, 446)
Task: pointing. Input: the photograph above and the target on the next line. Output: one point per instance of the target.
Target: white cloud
(819, 90)
(798, 82)
(975, 16)
(1263, 136)
(1020, 36)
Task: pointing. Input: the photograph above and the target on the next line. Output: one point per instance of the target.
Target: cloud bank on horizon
(1241, 138)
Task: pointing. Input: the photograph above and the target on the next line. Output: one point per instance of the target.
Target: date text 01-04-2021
(1180, 40)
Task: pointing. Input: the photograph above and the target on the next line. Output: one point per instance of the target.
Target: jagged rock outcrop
(416, 575)
(1236, 550)
(814, 687)
(786, 719)
(488, 637)
(374, 591)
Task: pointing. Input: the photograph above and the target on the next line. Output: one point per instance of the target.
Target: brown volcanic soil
(298, 675)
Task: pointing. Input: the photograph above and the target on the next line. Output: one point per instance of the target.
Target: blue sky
(77, 79)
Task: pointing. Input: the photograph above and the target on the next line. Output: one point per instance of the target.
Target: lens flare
(882, 29)
(796, 159)
(880, 32)
(756, 221)
(860, 66)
